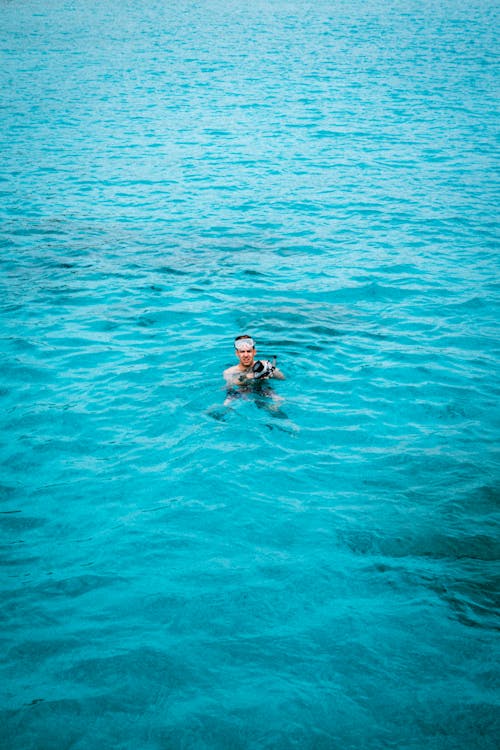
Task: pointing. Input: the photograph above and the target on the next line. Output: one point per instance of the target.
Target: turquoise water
(323, 176)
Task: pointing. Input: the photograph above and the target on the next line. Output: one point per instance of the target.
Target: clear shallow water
(324, 176)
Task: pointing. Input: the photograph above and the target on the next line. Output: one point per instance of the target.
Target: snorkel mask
(244, 344)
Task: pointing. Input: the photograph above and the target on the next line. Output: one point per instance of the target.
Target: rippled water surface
(323, 176)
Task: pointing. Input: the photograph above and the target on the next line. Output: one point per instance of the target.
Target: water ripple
(324, 178)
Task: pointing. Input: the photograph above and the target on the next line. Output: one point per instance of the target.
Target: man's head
(245, 350)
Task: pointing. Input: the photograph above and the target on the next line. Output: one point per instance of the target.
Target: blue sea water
(324, 176)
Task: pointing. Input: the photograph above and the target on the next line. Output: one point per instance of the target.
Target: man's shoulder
(230, 371)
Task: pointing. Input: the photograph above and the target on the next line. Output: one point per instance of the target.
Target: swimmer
(249, 373)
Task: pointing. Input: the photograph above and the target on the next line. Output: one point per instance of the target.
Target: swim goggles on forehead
(243, 344)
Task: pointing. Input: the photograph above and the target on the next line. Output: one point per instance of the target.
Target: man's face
(246, 356)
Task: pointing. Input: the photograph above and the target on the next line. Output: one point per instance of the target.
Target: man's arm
(227, 376)
(278, 374)
(231, 376)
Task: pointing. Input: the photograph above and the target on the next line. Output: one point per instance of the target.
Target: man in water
(249, 373)
(250, 379)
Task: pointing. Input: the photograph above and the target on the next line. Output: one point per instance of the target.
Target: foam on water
(181, 575)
